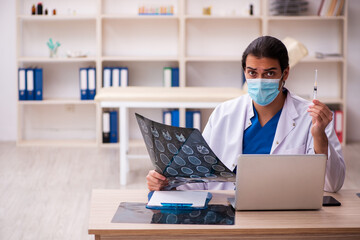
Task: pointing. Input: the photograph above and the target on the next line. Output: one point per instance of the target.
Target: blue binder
(30, 84)
(175, 118)
(83, 76)
(107, 77)
(38, 79)
(91, 83)
(22, 84)
(189, 119)
(175, 77)
(113, 127)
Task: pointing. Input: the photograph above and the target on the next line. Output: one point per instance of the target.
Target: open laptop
(279, 182)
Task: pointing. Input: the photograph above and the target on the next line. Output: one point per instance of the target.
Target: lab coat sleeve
(335, 165)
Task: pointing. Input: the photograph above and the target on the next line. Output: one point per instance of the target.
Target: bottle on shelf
(33, 10)
(39, 8)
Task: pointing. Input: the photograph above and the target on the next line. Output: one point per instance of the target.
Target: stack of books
(330, 8)
(288, 7)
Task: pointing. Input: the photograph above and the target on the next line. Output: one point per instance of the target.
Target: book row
(87, 83)
(115, 77)
(192, 118)
(331, 8)
(30, 84)
(119, 77)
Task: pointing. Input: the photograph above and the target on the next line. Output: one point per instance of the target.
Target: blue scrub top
(258, 139)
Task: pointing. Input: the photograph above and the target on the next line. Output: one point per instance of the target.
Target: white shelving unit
(61, 118)
(207, 50)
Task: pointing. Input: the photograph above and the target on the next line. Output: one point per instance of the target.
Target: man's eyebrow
(251, 68)
(272, 68)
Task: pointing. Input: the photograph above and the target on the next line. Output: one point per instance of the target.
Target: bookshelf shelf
(219, 17)
(213, 59)
(56, 18)
(139, 58)
(56, 143)
(139, 17)
(305, 18)
(56, 60)
(58, 102)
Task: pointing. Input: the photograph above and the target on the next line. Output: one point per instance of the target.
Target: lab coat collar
(249, 112)
(286, 122)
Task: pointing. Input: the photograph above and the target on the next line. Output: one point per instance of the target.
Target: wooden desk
(329, 222)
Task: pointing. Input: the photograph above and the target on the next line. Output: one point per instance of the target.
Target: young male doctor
(268, 120)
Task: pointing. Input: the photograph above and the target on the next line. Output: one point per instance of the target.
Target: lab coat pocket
(295, 150)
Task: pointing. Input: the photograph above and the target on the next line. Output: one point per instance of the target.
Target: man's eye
(270, 74)
(251, 73)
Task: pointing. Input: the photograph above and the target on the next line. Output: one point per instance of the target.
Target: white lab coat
(226, 125)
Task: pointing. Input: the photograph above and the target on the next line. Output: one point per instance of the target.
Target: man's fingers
(157, 175)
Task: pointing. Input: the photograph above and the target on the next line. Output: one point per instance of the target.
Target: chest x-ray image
(181, 154)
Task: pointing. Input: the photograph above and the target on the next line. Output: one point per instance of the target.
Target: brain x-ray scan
(182, 154)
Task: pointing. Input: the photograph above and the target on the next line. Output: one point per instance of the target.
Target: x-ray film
(182, 154)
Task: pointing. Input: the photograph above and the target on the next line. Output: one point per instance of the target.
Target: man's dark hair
(268, 47)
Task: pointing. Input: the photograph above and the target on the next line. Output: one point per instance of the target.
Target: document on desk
(178, 199)
(182, 154)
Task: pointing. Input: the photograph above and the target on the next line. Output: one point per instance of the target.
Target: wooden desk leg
(97, 237)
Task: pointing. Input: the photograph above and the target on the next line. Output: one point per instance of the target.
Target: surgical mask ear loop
(283, 82)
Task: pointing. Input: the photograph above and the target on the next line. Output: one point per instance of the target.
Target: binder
(113, 127)
(38, 79)
(339, 118)
(167, 117)
(91, 83)
(115, 77)
(107, 77)
(83, 84)
(189, 119)
(30, 84)
(124, 77)
(193, 119)
(22, 84)
(175, 118)
(175, 77)
(167, 77)
(197, 120)
(106, 127)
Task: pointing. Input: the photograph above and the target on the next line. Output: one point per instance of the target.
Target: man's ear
(286, 73)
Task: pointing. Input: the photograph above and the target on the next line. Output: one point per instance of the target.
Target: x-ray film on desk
(182, 154)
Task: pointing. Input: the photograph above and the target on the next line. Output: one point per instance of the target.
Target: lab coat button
(294, 124)
(277, 142)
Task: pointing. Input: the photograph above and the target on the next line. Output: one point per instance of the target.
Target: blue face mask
(263, 91)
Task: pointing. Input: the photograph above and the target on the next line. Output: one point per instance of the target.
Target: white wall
(353, 88)
(8, 72)
(8, 95)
